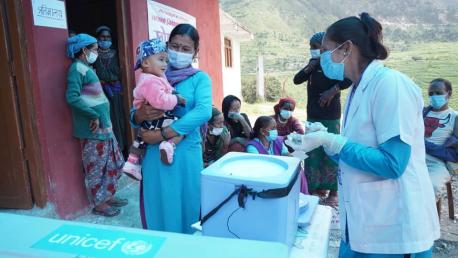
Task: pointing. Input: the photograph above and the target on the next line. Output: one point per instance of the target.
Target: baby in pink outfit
(154, 89)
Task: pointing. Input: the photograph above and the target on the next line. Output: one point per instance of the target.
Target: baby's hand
(181, 100)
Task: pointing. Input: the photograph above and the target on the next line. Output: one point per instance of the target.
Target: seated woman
(216, 138)
(286, 122)
(441, 134)
(237, 123)
(265, 139)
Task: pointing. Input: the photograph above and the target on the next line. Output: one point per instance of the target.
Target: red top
(292, 125)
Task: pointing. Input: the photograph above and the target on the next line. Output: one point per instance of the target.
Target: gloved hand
(332, 143)
(299, 154)
(296, 142)
(314, 127)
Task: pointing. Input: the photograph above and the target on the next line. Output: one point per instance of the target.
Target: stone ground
(445, 247)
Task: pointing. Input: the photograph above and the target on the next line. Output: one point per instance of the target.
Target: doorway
(85, 16)
(17, 152)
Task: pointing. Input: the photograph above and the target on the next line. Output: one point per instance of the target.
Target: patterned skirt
(102, 163)
(320, 170)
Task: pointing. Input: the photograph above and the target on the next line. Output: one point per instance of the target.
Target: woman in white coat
(386, 199)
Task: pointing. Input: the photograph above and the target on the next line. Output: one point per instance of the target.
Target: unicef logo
(138, 247)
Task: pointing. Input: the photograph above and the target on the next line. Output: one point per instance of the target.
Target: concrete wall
(207, 18)
(232, 75)
(60, 152)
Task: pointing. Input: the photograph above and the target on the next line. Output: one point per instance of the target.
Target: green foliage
(249, 89)
(282, 28)
(421, 62)
(272, 88)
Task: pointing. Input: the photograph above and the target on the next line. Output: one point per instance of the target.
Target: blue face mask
(104, 44)
(273, 134)
(179, 60)
(286, 114)
(331, 69)
(438, 101)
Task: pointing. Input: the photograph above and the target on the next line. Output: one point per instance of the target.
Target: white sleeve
(396, 108)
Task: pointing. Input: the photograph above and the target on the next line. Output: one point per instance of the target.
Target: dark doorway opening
(84, 16)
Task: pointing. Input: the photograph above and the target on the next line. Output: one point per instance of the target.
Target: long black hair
(365, 32)
(261, 122)
(226, 106)
(188, 30)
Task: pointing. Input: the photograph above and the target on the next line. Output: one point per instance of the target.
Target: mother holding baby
(170, 194)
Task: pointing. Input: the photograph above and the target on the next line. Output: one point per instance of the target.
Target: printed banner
(96, 242)
(162, 19)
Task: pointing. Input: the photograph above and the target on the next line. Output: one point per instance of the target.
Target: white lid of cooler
(252, 168)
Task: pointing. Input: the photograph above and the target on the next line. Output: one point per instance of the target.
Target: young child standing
(154, 89)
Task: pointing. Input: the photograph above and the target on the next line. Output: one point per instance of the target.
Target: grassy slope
(433, 60)
(282, 28)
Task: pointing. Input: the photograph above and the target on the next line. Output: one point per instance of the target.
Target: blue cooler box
(266, 219)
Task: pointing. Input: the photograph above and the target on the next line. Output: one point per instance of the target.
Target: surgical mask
(315, 53)
(179, 60)
(217, 131)
(438, 101)
(104, 44)
(331, 69)
(91, 57)
(286, 114)
(233, 114)
(273, 134)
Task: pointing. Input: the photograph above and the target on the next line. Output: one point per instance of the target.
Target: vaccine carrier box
(265, 219)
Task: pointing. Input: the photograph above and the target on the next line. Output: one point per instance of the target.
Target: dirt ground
(447, 245)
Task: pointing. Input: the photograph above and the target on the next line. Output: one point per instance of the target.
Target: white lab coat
(387, 216)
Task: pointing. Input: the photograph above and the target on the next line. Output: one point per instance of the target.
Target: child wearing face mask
(153, 89)
(265, 139)
(441, 134)
(216, 138)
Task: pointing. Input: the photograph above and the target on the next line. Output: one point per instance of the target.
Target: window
(228, 52)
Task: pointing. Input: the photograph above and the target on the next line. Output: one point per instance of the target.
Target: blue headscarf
(78, 42)
(317, 37)
(148, 48)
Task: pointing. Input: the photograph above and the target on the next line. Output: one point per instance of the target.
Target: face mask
(104, 44)
(438, 101)
(273, 134)
(332, 70)
(233, 114)
(179, 60)
(91, 57)
(217, 131)
(286, 114)
(315, 53)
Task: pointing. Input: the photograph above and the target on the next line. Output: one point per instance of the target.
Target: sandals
(107, 212)
(117, 202)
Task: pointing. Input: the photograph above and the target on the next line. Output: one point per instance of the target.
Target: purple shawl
(278, 145)
(175, 76)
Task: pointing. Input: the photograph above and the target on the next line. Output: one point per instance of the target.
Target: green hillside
(282, 28)
(422, 62)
